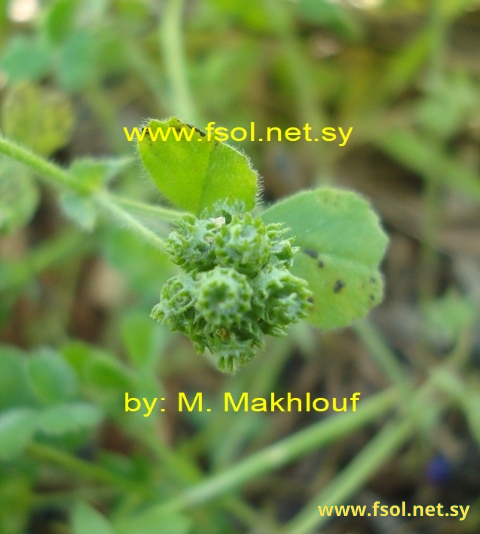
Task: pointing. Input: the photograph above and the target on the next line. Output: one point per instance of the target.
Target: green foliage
(76, 67)
(447, 319)
(331, 15)
(25, 58)
(14, 383)
(16, 498)
(91, 175)
(39, 396)
(63, 419)
(86, 520)
(52, 379)
(39, 118)
(341, 246)
(18, 197)
(17, 427)
(154, 519)
(59, 20)
(194, 174)
(142, 340)
(79, 209)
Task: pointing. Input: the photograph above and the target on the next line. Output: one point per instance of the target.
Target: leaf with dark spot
(310, 252)
(350, 244)
(339, 285)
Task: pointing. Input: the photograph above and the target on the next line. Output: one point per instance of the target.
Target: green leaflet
(87, 520)
(192, 171)
(59, 21)
(65, 418)
(153, 521)
(341, 244)
(19, 197)
(52, 378)
(17, 427)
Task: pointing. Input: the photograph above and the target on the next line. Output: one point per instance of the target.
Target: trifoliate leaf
(341, 245)
(193, 171)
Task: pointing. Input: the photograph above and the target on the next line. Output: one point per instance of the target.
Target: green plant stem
(385, 358)
(47, 170)
(148, 210)
(58, 177)
(276, 456)
(82, 468)
(353, 477)
(56, 498)
(171, 42)
(123, 217)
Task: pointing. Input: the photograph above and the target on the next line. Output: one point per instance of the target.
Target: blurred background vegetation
(76, 291)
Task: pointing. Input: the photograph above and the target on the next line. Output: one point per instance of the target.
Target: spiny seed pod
(236, 287)
(225, 210)
(280, 298)
(281, 250)
(191, 245)
(243, 244)
(176, 306)
(223, 296)
(233, 352)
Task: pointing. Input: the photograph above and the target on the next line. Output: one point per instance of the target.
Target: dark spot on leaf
(310, 252)
(372, 280)
(310, 299)
(320, 264)
(339, 285)
(372, 298)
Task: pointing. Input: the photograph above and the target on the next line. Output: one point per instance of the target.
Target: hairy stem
(109, 203)
(129, 221)
(47, 170)
(148, 210)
